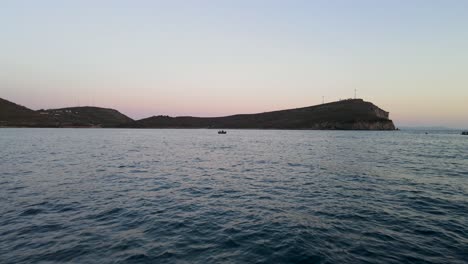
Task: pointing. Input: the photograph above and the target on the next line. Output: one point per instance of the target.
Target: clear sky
(211, 58)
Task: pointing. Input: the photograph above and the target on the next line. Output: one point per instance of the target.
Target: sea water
(250, 196)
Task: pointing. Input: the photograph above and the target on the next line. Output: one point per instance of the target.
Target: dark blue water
(251, 196)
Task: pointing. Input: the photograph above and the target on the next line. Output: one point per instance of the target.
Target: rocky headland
(351, 114)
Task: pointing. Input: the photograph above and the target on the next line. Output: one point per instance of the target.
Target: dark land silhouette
(14, 115)
(351, 114)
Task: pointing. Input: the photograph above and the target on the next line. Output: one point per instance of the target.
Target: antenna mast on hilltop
(355, 93)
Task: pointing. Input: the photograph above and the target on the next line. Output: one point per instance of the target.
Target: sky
(215, 58)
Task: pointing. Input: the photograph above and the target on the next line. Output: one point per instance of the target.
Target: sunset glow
(214, 58)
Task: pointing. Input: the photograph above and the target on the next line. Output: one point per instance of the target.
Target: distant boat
(465, 133)
(222, 132)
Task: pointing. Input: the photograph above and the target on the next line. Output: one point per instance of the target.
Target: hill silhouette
(14, 115)
(87, 116)
(351, 114)
(355, 114)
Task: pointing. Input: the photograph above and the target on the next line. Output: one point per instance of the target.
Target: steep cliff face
(380, 113)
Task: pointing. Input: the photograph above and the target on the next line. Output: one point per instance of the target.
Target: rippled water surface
(251, 196)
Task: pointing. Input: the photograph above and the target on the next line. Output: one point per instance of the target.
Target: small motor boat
(222, 132)
(465, 133)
